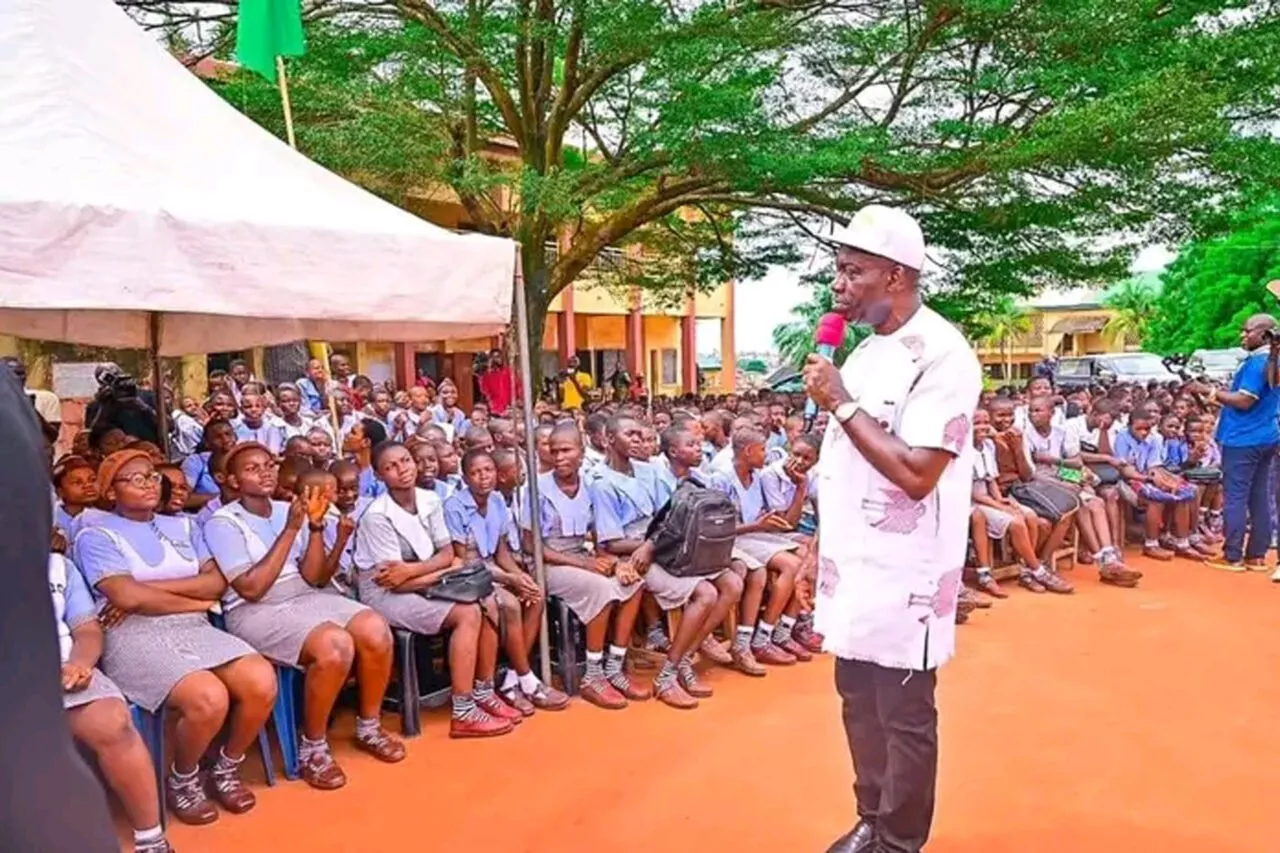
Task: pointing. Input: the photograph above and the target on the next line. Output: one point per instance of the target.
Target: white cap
(885, 231)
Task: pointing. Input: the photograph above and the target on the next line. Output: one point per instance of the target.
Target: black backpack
(693, 533)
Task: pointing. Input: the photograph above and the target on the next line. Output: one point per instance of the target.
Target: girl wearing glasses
(157, 584)
(281, 600)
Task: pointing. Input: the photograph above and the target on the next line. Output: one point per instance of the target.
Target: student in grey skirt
(630, 492)
(482, 528)
(280, 601)
(403, 548)
(598, 589)
(762, 543)
(96, 711)
(160, 647)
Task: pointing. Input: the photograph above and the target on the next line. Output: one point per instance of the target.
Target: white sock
(145, 836)
(787, 622)
(510, 681)
(529, 683)
(764, 635)
(743, 640)
(595, 657)
(617, 651)
(1152, 543)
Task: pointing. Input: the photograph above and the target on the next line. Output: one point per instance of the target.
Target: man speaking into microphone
(895, 479)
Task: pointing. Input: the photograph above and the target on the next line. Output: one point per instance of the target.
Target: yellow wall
(661, 333)
(602, 332)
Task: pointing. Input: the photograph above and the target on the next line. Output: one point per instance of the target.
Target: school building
(1059, 323)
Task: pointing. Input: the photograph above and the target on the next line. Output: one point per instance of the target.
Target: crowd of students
(312, 517)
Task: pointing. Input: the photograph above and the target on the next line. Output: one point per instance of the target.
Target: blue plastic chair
(151, 727)
(284, 716)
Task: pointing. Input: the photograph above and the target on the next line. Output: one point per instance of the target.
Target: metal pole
(531, 450)
(157, 384)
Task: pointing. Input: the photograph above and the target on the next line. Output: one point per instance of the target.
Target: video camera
(114, 385)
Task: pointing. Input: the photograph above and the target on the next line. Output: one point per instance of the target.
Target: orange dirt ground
(1115, 720)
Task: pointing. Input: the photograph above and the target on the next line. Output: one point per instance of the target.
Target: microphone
(827, 338)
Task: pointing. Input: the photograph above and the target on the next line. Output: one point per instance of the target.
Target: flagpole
(283, 82)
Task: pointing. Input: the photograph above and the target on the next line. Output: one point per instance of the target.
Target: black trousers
(891, 723)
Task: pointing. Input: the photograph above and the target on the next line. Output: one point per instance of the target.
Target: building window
(670, 366)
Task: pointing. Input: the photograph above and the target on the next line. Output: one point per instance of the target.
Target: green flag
(267, 29)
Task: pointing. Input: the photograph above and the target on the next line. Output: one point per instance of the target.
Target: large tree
(1038, 141)
(1216, 284)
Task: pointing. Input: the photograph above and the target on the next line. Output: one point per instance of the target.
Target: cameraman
(119, 404)
(574, 385)
(1249, 435)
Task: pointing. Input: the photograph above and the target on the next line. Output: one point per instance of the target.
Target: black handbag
(469, 584)
(1203, 474)
(1049, 500)
(1108, 475)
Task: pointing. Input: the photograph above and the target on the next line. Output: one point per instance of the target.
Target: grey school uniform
(389, 534)
(72, 607)
(148, 655)
(279, 623)
(566, 522)
(755, 550)
(634, 499)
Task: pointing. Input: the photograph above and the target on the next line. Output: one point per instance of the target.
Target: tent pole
(531, 451)
(157, 383)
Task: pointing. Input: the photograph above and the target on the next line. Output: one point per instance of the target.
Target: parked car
(1216, 364)
(1129, 367)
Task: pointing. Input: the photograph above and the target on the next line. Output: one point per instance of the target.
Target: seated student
(503, 431)
(446, 411)
(313, 388)
(715, 435)
(761, 546)
(790, 486)
(1166, 498)
(651, 447)
(291, 468)
(176, 490)
(188, 426)
(1204, 469)
(226, 494)
(542, 446)
(597, 444)
(347, 506)
(1014, 467)
(479, 416)
(1173, 456)
(1094, 433)
(428, 462)
(96, 711)
(321, 443)
(291, 421)
(995, 516)
(223, 407)
(448, 466)
(630, 489)
(254, 426)
(1040, 386)
(298, 448)
(418, 412)
(596, 588)
(160, 649)
(477, 438)
(348, 416)
(279, 600)
(218, 435)
(75, 482)
(1056, 460)
(384, 411)
(480, 523)
(402, 549)
(433, 433)
(358, 446)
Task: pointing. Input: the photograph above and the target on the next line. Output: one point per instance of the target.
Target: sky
(765, 303)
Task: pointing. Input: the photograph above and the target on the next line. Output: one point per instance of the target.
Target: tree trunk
(533, 257)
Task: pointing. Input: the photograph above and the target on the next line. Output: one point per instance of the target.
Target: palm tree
(794, 339)
(1133, 304)
(1004, 323)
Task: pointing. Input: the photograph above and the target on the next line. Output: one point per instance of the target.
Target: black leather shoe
(860, 839)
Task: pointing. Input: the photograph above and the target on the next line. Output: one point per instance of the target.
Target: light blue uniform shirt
(268, 434)
(748, 499)
(463, 518)
(196, 469)
(628, 499)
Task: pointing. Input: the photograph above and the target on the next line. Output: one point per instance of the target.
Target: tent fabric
(128, 187)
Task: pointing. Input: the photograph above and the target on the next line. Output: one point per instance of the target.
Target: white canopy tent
(139, 211)
(132, 198)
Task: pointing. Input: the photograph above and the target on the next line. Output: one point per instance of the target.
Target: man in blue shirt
(1249, 434)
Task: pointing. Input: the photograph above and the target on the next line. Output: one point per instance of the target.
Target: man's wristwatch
(845, 411)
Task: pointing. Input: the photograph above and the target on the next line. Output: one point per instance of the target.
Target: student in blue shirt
(428, 462)
(96, 711)
(1167, 499)
(219, 435)
(1249, 435)
(1175, 446)
(447, 411)
(479, 523)
(358, 447)
(254, 426)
